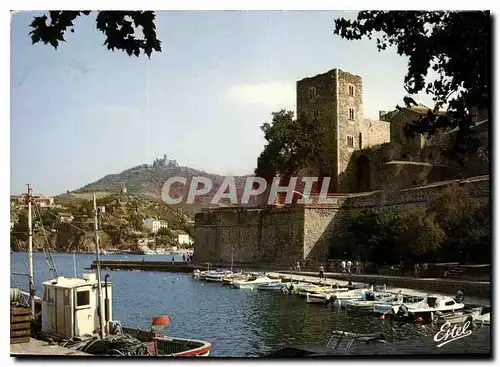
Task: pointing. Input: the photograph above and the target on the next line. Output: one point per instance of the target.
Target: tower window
(351, 90)
(360, 141)
(315, 114)
(312, 92)
(350, 141)
(351, 113)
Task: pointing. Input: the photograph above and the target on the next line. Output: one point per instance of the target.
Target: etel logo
(447, 335)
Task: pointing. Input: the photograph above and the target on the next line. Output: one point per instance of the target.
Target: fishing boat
(78, 313)
(77, 324)
(254, 281)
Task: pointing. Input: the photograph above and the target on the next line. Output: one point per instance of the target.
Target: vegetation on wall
(454, 227)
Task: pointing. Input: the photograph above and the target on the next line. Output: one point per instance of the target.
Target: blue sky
(81, 112)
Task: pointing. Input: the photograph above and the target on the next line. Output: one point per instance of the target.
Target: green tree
(465, 222)
(417, 232)
(455, 44)
(292, 144)
(121, 29)
(164, 232)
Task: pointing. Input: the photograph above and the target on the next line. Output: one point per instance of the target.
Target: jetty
(473, 288)
(168, 266)
(40, 348)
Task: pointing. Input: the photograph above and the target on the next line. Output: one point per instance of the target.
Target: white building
(154, 224)
(184, 239)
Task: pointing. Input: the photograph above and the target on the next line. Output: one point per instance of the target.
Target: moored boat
(254, 281)
(230, 278)
(427, 308)
(217, 275)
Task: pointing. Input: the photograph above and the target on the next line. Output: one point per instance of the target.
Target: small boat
(427, 308)
(217, 275)
(254, 281)
(352, 295)
(270, 287)
(371, 301)
(302, 291)
(230, 278)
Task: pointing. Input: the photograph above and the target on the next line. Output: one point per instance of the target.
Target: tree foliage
(292, 144)
(119, 27)
(454, 44)
(453, 227)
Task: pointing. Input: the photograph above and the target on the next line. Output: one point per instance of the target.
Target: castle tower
(165, 160)
(335, 99)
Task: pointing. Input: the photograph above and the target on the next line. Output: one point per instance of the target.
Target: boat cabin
(70, 307)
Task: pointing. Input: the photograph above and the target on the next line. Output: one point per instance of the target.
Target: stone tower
(335, 99)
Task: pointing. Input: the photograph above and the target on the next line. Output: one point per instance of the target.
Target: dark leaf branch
(119, 27)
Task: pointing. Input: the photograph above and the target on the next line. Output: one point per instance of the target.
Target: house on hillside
(154, 224)
(182, 238)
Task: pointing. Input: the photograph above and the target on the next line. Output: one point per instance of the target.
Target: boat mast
(30, 253)
(98, 268)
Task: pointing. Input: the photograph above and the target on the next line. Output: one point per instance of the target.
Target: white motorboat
(253, 282)
(427, 308)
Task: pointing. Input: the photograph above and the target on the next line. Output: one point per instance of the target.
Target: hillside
(120, 224)
(147, 182)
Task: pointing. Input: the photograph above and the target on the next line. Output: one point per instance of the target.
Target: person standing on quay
(417, 267)
(349, 264)
(358, 267)
(343, 266)
(321, 273)
(298, 265)
(424, 269)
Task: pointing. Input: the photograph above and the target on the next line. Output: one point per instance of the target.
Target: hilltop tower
(335, 98)
(165, 160)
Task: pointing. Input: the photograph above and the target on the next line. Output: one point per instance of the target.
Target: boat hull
(164, 346)
(318, 298)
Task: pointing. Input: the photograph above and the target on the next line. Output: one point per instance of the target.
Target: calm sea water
(240, 323)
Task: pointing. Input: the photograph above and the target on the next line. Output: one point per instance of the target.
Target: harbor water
(240, 323)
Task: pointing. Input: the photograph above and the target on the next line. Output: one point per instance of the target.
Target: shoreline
(113, 252)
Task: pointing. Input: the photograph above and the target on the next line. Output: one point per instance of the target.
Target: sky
(81, 112)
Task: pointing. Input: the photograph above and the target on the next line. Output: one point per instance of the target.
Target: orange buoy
(160, 322)
(420, 319)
